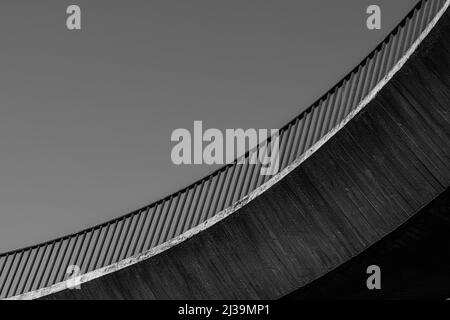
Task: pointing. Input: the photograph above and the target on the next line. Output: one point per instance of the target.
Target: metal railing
(45, 264)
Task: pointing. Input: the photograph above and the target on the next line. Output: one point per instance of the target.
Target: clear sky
(86, 116)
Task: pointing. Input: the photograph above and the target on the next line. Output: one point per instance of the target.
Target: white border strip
(239, 204)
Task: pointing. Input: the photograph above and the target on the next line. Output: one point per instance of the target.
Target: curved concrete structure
(373, 152)
(378, 171)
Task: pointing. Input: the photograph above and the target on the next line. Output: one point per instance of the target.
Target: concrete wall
(385, 165)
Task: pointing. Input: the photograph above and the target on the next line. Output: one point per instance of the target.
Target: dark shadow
(414, 262)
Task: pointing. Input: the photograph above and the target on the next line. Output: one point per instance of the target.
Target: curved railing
(46, 264)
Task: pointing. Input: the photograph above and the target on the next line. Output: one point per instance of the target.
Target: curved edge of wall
(247, 199)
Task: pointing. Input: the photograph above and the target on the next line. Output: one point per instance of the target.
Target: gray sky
(86, 117)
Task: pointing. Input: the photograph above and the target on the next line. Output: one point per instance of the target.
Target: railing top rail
(225, 167)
